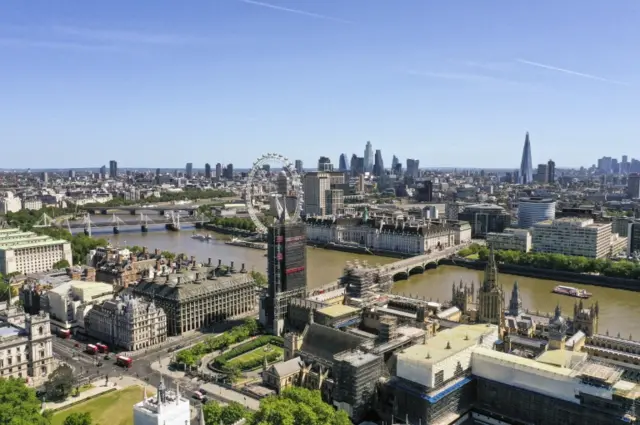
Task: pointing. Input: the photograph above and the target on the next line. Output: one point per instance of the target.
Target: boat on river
(247, 244)
(571, 291)
(198, 236)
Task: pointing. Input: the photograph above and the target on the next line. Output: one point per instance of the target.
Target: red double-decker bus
(102, 347)
(91, 349)
(64, 333)
(124, 361)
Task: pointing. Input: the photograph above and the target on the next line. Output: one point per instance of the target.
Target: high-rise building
(357, 165)
(298, 165)
(218, 171)
(633, 186)
(378, 166)
(316, 186)
(394, 162)
(228, 172)
(113, 169)
(103, 172)
(72, 174)
(624, 165)
(573, 236)
(45, 178)
(207, 170)
(287, 272)
(413, 165)
(491, 295)
(526, 167)
(633, 237)
(324, 164)
(189, 170)
(368, 158)
(157, 172)
(342, 163)
(551, 171)
(543, 174)
(534, 210)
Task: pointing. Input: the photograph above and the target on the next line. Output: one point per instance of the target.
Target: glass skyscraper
(526, 166)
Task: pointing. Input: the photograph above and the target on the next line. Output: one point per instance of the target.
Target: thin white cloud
(59, 45)
(296, 11)
(490, 66)
(570, 72)
(460, 77)
(129, 37)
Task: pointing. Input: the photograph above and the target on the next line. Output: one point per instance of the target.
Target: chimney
(243, 270)
(144, 249)
(179, 281)
(193, 259)
(197, 277)
(232, 269)
(156, 251)
(219, 262)
(209, 262)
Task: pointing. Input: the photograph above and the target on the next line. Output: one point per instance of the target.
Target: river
(619, 309)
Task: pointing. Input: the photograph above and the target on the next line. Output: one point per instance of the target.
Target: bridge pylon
(144, 222)
(86, 221)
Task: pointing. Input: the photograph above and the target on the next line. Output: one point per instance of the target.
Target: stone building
(197, 296)
(491, 296)
(25, 346)
(127, 322)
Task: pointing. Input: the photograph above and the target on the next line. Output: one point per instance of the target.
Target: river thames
(619, 310)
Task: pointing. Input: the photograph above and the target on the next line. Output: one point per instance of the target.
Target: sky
(159, 83)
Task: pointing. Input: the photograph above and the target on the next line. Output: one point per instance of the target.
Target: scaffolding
(388, 330)
(356, 375)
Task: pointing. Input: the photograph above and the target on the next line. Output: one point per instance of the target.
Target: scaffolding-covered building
(364, 283)
(357, 374)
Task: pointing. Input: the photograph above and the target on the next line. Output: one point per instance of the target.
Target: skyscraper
(189, 170)
(299, 166)
(378, 166)
(342, 163)
(324, 164)
(113, 169)
(526, 166)
(368, 158)
(207, 170)
(551, 171)
(287, 272)
(218, 171)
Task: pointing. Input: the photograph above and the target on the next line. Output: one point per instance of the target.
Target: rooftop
(338, 310)
(447, 343)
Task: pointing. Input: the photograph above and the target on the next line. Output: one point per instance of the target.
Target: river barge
(571, 292)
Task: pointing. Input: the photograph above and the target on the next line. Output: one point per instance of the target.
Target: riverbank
(228, 230)
(549, 274)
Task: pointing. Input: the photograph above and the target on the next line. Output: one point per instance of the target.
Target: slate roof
(324, 342)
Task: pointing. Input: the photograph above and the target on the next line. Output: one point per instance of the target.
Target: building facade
(128, 323)
(491, 304)
(387, 234)
(485, 218)
(166, 407)
(196, 296)
(511, 240)
(573, 236)
(25, 346)
(534, 210)
(316, 185)
(26, 252)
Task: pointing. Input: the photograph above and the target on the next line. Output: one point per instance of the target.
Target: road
(71, 352)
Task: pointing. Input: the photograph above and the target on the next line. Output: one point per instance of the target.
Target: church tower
(586, 319)
(491, 296)
(515, 304)
(557, 330)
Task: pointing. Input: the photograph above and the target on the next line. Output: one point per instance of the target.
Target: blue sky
(450, 82)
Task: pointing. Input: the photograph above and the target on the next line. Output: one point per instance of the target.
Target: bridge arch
(431, 265)
(401, 275)
(418, 269)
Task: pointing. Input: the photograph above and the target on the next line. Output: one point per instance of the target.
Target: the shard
(526, 167)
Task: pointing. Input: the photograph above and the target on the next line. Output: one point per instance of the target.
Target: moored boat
(571, 291)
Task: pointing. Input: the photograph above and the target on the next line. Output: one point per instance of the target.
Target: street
(86, 369)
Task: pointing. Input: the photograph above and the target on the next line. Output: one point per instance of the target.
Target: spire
(162, 391)
(558, 312)
(526, 166)
(515, 304)
(490, 272)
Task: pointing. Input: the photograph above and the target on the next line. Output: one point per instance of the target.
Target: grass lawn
(472, 257)
(114, 408)
(258, 353)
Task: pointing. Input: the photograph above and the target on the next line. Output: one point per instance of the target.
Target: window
(439, 378)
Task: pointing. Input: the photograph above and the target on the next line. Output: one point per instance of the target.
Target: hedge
(221, 360)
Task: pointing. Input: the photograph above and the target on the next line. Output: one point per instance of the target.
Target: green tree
(260, 279)
(78, 418)
(232, 413)
(298, 406)
(251, 325)
(62, 264)
(60, 384)
(212, 412)
(19, 404)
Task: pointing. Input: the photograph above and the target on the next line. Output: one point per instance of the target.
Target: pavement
(147, 367)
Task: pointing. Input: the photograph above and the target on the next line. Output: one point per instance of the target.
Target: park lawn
(114, 408)
(258, 353)
(472, 257)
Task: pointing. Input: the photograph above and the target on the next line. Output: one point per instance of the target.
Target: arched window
(40, 330)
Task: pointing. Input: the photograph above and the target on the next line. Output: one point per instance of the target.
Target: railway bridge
(141, 209)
